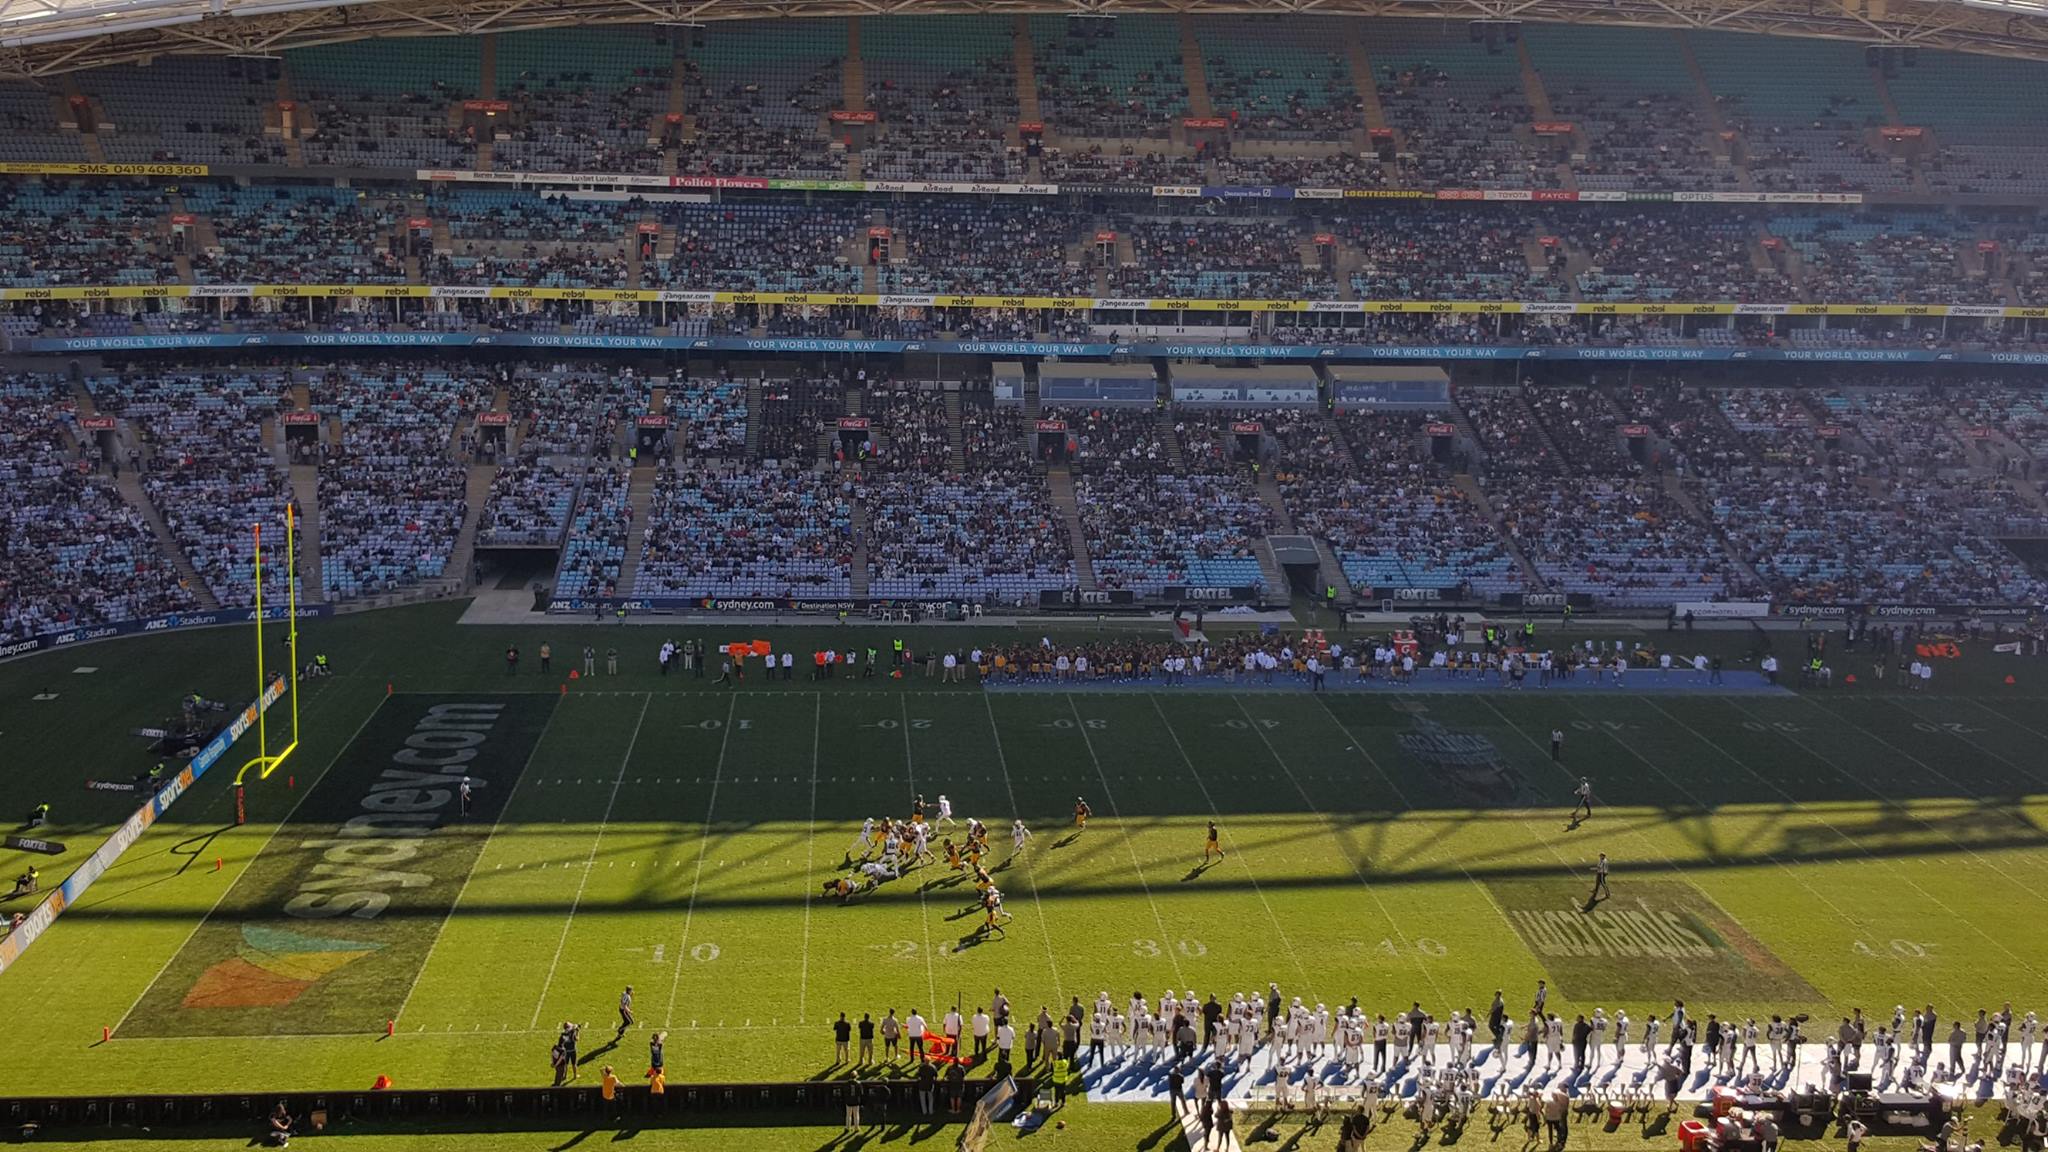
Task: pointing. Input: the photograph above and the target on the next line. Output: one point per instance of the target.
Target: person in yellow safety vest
(39, 815)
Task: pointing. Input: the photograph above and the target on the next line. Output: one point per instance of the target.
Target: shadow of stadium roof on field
(1786, 835)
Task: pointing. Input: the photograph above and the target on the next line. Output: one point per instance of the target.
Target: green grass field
(1800, 852)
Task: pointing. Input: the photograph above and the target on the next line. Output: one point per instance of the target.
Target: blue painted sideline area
(1138, 1075)
(1644, 682)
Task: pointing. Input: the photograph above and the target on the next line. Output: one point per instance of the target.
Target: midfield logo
(1466, 759)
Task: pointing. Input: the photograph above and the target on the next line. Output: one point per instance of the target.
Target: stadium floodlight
(265, 763)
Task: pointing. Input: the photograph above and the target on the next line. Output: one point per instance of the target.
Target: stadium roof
(40, 37)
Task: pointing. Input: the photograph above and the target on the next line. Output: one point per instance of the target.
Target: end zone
(330, 925)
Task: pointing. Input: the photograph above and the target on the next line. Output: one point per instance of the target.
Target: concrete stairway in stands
(1333, 571)
(1674, 487)
(1467, 484)
(1274, 576)
(639, 498)
(306, 494)
(754, 417)
(462, 556)
(1359, 60)
(1194, 70)
(130, 486)
(956, 440)
(859, 573)
(1269, 491)
(1163, 421)
(1061, 481)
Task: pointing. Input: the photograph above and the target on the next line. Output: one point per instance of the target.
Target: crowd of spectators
(1126, 164)
(967, 247)
(1025, 245)
(1775, 423)
(1214, 258)
(1289, 441)
(1111, 438)
(569, 411)
(759, 246)
(595, 550)
(1585, 426)
(913, 423)
(2019, 415)
(1673, 255)
(984, 535)
(765, 119)
(564, 126)
(1655, 141)
(1445, 254)
(1458, 132)
(208, 472)
(528, 502)
(1908, 258)
(765, 532)
(391, 130)
(72, 551)
(1905, 431)
(1826, 535)
(1148, 530)
(1110, 78)
(77, 235)
(712, 415)
(950, 124)
(1396, 520)
(296, 235)
(1906, 504)
(1508, 431)
(992, 436)
(793, 417)
(1624, 541)
(392, 497)
(1686, 417)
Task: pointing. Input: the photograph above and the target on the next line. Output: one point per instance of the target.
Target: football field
(1772, 852)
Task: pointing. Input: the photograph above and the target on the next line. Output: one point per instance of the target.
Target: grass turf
(1804, 852)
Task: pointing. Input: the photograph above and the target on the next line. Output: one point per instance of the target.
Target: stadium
(1134, 575)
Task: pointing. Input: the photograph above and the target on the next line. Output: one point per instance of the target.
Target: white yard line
(1358, 745)
(1278, 929)
(503, 810)
(1791, 873)
(1109, 797)
(595, 841)
(803, 986)
(703, 850)
(1030, 874)
(931, 981)
(1801, 745)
